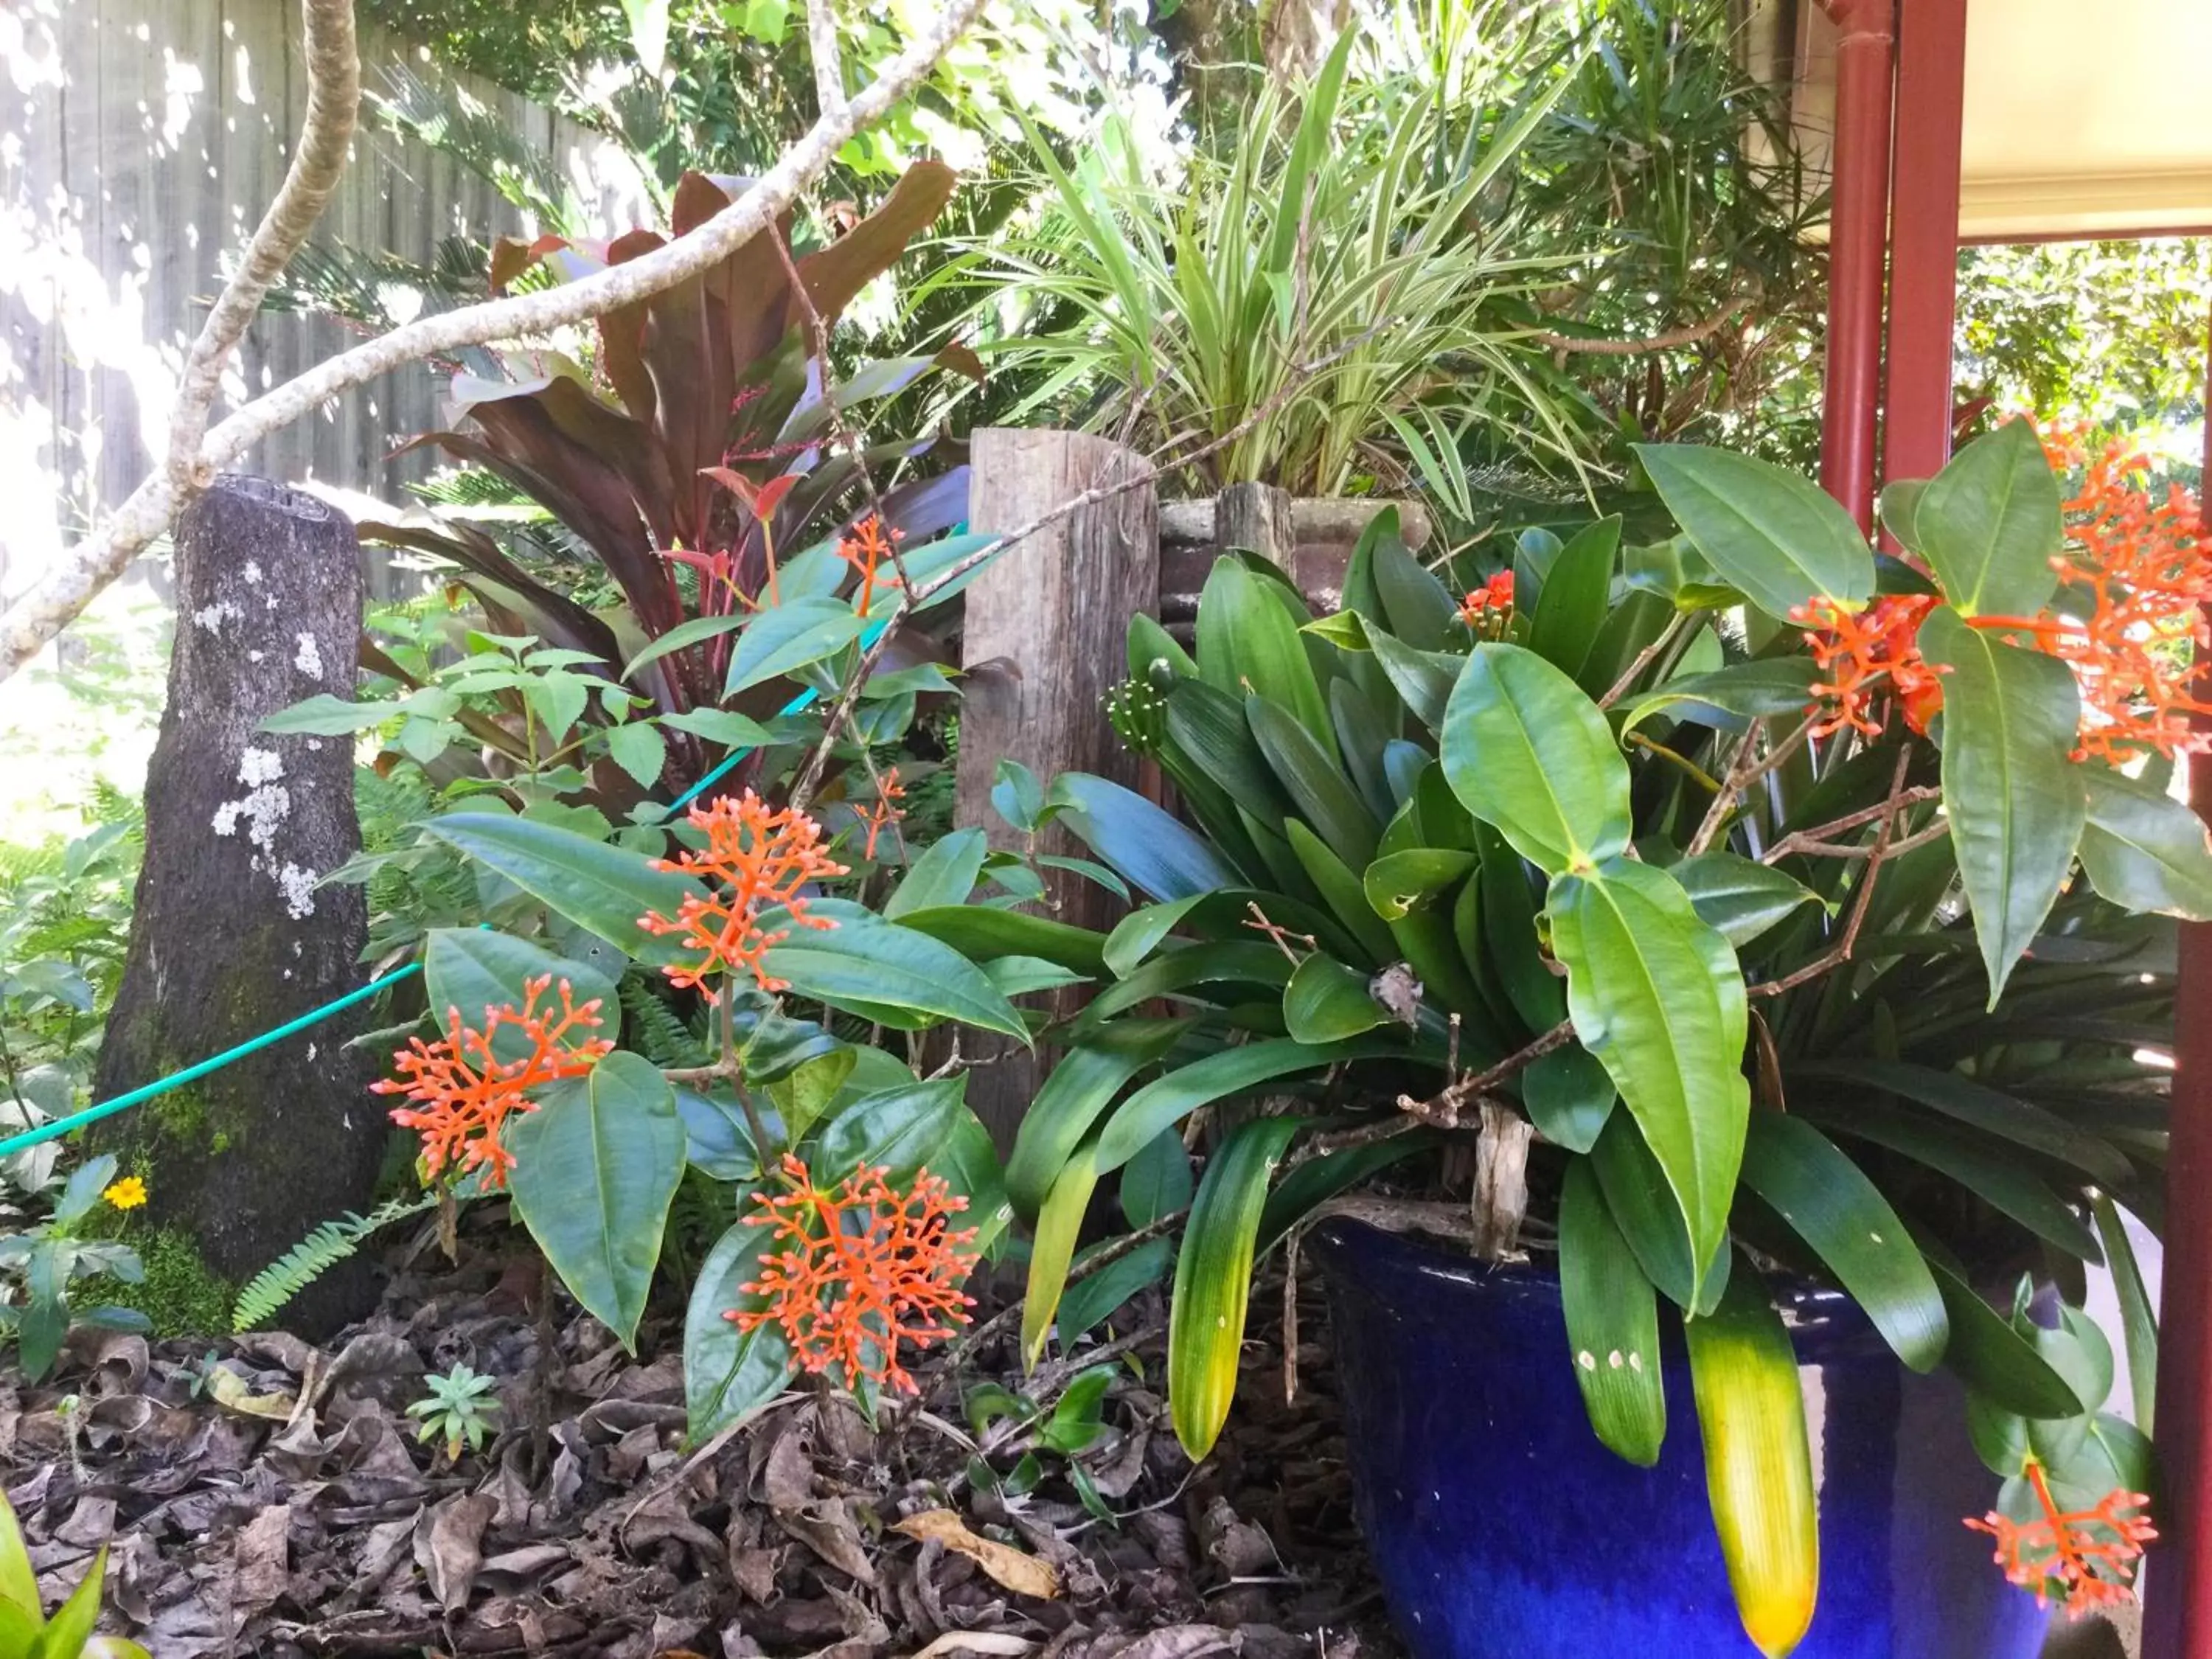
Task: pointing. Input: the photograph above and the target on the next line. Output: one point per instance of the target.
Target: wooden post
(1044, 641)
(1255, 518)
(231, 936)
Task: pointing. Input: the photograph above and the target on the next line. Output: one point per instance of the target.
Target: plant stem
(1643, 659)
(730, 1068)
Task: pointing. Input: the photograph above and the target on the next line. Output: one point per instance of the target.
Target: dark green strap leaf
(1052, 1248)
(1575, 595)
(1612, 1323)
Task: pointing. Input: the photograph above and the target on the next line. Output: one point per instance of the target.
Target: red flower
(760, 859)
(463, 1092)
(1494, 596)
(2081, 1557)
(863, 1270)
(1868, 654)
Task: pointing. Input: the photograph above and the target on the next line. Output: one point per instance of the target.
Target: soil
(260, 1495)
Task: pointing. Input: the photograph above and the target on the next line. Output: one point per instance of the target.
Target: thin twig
(1860, 902)
(1821, 838)
(1643, 659)
(1745, 768)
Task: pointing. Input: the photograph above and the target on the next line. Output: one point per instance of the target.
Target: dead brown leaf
(1025, 1574)
(450, 1549)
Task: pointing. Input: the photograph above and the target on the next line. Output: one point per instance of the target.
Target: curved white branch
(61, 595)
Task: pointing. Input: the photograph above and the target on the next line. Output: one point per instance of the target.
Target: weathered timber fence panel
(140, 141)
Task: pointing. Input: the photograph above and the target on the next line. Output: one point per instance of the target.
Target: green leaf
(1525, 751)
(19, 1582)
(1656, 994)
(1422, 679)
(724, 726)
(1326, 1001)
(474, 970)
(1965, 1100)
(1768, 687)
(1397, 882)
(1776, 537)
(1834, 1208)
(2144, 850)
(326, 716)
(640, 749)
(1418, 607)
(1324, 795)
(596, 1168)
(1138, 934)
(1209, 726)
(1341, 890)
(1146, 846)
(882, 971)
(1759, 1464)
(1213, 1279)
(1995, 1360)
(2138, 1312)
(2016, 802)
(1023, 977)
(602, 889)
(1572, 606)
(1096, 1297)
(1082, 1086)
(1249, 647)
(787, 638)
(898, 1130)
(1570, 1097)
(804, 1093)
(1988, 523)
(685, 634)
(1166, 1100)
(984, 932)
(1740, 898)
(1016, 794)
(1900, 499)
(968, 1163)
(945, 874)
(71, 1628)
(1052, 1248)
(1508, 914)
(1156, 1183)
(1644, 1208)
(1612, 1323)
(728, 1373)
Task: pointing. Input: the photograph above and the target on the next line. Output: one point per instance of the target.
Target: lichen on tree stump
(231, 936)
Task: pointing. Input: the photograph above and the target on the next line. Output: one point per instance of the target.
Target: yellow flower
(127, 1193)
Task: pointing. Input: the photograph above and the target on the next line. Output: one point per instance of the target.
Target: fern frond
(314, 1255)
(655, 1030)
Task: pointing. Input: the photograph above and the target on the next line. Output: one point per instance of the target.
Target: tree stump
(1044, 640)
(231, 938)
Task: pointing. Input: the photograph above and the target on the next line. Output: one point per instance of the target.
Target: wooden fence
(141, 141)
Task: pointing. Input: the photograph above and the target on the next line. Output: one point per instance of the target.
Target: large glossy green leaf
(1316, 785)
(1422, 679)
(1166, 1100)
(596, 1168)
(788, 637)
(1612, 1323)
(1245, 961)
(945, 874)
(1146, 846)
(1052, 1248)
(685, 634)
(1138, 934)
(1759, 1464)
(475, 969)
(1417, 607)
(1740, 898)
(2138, 1312)
(1340, 890)
(1995, 1360)
(1326, 1001)
(1508, 914)
(1570, 1096)
(1656, 994)
(1834, 1208)
(882, 971)
(728, 1373)
(984, 932)
(1399, 882)
(1525, 751)
(1780, 686)
(1083, 1084)
(1572, 606)
(2016, 802)
(1088, 1302)
(1249, 647)
(1213, 1279)
(1643, 1207)
(1988, 523)
(1772, 535)
(899, 1130)
(602, 889)
(1209, 725)
(2144, 849)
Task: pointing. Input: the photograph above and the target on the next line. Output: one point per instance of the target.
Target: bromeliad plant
(1772, 932)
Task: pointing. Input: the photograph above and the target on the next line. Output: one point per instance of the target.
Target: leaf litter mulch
(263, 1496)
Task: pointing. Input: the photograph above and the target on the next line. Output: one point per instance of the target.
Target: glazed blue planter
(1502, 1529)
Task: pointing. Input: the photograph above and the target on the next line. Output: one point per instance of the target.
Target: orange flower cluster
(863, 1269)
(1492, 599)
(2133, 581)
(760, 858)
(884, 814)
(464, 1092)
(865, 547)
(1872, 660)
(2082, 1556)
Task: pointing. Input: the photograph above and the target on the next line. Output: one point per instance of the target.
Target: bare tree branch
(828, 65)
(333, 104)
(99, 558)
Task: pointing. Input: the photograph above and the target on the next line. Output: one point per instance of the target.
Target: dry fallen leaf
(997, 1644)
(1025, 1574)
(232, 1392)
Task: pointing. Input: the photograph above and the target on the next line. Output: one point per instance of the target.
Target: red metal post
(2178, 1605)
(1858, 237)
(1924, 253)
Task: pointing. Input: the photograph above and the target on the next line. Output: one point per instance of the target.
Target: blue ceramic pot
(1502, 1529)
